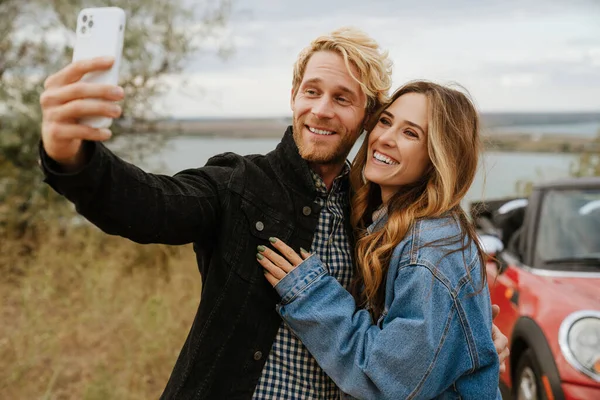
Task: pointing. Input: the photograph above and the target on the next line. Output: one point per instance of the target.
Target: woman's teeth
(384, 159)
(319, 131)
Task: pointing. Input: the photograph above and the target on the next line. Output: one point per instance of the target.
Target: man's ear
(292, 99)
(366, 120)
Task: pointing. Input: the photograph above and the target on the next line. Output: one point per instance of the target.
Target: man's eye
(310, 92)
(343, 100)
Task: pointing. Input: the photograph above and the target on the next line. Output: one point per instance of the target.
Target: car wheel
(528, 383)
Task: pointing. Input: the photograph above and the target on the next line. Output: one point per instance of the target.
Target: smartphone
(100, 32)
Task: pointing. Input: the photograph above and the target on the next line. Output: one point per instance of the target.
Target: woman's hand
(277, 266)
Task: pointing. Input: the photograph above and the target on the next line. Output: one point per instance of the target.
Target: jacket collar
(292, 170)
(380, 217)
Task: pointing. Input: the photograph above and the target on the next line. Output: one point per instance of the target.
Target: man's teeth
(319, 131)
(383, 158)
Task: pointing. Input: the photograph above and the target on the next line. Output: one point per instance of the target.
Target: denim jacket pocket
(256, 225)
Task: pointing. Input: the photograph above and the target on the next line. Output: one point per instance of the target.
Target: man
(237, 347)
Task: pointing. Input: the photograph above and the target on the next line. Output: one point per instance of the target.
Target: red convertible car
(544, 273)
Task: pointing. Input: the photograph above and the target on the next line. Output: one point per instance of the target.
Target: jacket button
(259, 226)
(306, 210)
(257, 355)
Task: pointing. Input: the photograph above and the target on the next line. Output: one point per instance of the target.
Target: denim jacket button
(259, 226)
(257, 355)
(306, 210)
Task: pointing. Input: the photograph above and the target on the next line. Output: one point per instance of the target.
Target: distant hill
(490, 119)
(521, 119)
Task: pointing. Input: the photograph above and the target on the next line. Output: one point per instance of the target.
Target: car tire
(528, 379)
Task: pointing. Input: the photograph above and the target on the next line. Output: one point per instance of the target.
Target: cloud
(520, 80)
(252, 92)
(511, 55)
(594, 56)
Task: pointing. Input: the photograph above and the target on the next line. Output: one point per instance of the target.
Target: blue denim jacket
(433, 339)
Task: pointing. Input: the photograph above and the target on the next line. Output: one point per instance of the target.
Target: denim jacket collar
(380, 217)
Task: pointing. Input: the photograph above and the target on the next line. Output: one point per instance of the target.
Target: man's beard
(325, 155)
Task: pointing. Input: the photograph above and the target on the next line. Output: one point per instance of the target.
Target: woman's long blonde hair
(453, 145)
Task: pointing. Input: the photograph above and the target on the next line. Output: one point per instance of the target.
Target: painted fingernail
(261, 248)
(272, 239)
(303, 251)
(259, 256)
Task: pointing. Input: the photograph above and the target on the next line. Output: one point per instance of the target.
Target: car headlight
(579, 339)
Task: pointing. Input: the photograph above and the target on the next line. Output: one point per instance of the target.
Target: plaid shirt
(290, 371)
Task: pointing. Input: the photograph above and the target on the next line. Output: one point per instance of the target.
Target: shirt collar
(337, 182)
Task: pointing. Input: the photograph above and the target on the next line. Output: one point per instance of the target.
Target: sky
(511, 55)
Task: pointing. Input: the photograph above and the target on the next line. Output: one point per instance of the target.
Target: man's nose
(323, 107)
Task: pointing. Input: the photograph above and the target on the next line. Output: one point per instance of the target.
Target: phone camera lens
(85, 18)
(91, 23)
(83, 29)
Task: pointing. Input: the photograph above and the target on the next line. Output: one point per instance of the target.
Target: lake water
(497, 177)
(580, 129)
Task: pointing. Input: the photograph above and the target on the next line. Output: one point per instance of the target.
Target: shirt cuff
(300, 278)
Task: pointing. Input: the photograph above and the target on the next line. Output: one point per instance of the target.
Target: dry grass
(89, 316)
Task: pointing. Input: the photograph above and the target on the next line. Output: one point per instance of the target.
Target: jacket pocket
(257, 223)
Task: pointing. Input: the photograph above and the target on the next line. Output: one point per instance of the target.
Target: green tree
(36, 39)
(588, 163)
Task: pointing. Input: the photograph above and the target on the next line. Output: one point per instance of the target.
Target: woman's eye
(412, 134)
(385, 121)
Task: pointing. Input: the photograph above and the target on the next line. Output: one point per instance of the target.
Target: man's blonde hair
(357, 49)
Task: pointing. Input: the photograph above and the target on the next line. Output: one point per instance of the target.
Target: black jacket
(225, 209)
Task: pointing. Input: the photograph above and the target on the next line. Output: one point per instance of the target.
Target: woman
(418, 325)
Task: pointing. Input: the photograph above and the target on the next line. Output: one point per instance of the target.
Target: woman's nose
(388, 137)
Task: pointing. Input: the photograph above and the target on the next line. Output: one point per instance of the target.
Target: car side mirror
(492, 246)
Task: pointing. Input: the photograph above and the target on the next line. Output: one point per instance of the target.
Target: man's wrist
(71, 166)
(75, 163)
